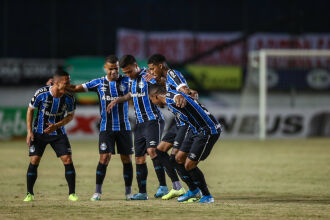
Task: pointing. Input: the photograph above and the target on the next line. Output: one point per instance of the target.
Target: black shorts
(175, 135)
(147, 135)
(199, 146)
(60, 144)
(108, 140)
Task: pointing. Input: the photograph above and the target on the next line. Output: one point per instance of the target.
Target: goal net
(285, 82)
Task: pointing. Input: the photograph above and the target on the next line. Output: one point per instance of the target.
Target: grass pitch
(277, 179)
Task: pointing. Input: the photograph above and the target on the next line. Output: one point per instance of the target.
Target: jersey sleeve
(170, 95)
(36, 99)
(176, 79)
(91, 85)
(71, 104)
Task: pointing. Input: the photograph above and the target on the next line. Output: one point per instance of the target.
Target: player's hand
(149, 77)
(29, 138)
(194, 94)
(111, 105)
(180, 101)
(51, 128)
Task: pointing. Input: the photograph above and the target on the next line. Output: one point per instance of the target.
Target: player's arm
(180, 100)
(29, 119)
(53, 127)
(121, 99)
(188, 91)
(76, 88)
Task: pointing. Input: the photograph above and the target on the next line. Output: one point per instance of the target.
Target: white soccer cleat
(96, 197)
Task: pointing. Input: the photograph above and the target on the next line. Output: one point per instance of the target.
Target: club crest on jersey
(103, 146)
(32, 148)
(176, 143)
(141, 85)
(122, 87)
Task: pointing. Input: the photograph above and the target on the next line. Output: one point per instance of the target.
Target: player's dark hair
(156, 59)
(60, 72)
(126, 60)
(111, 59)
(156, 89)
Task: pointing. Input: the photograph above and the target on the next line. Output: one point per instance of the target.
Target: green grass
(277, 179)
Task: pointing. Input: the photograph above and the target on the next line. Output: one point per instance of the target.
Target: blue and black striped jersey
(51, 109)
(175, 80)
(194, 113)
(108, 91)
(145, 110)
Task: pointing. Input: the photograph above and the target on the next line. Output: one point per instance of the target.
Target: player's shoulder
(123, 79)
(172, 73)
(97, 80)
(42, 90)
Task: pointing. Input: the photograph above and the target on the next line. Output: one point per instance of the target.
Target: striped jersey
(108, 91)
(194, 113)
(175, 80)
(51, 109)
(145, 110)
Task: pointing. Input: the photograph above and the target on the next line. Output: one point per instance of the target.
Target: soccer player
(174, 80)
(55, 109)
(115, 128)
(205, 131)
(149, 127)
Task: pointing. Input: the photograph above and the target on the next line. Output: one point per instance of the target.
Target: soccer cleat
(29, 197)
(190, 194)
(174, 193)
(191, 200)
(96, 197)
(73, 197)
(129, 196)
(206, 199)
(140, 196)
(162, 191)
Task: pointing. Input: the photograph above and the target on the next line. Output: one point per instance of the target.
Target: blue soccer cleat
(140, 196)
(162, 191)
(206, 199)
(190, 194)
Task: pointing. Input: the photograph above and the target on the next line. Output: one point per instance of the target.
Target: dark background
(62, 28)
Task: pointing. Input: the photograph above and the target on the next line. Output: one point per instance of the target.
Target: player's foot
(73, 197)
(96, 197)
(174, 193)
(29, 197)
(206, 199)
(190, 194)
(129, 196)
(140, 196)
(191, 200)
(162, 191)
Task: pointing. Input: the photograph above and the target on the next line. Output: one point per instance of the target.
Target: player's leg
(140, 162)
(200, 150)
(106, 148)
(153, 133)
(125, 149)
(36, 150)
(62, 148)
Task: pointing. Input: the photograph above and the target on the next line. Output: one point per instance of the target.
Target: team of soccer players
(192, 137)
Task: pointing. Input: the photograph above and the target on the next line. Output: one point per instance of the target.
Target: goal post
(259, 60)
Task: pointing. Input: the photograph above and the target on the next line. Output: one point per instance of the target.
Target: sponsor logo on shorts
(176, 143)
(69, 150)
(32, 148)
(192, 155)
(103, 146)
(152, 142)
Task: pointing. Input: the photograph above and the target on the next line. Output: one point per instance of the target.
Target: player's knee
(105, 158)
(66, 159)
(164, 146)
(152, 152)
(140, 160)
(125, 158)
(189, 165)
(35, 160)
(179, 159)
